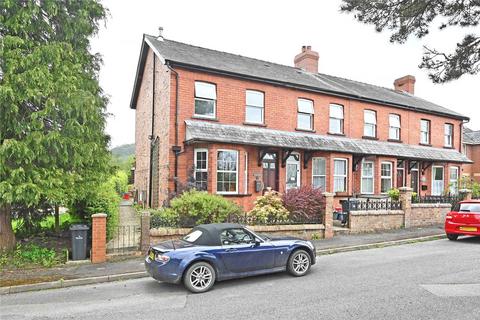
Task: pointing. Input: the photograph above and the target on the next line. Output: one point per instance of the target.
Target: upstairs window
(425, 131)
(205, 99)
(336, 119)
(305, 114)
(370, 123)
(394, 130)
(254, 110)
(448, 135)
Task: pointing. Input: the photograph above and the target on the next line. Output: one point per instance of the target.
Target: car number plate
(151, 255)
(470, 229)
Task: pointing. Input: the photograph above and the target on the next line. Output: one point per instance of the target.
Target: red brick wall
(473, 170)
(280, 113)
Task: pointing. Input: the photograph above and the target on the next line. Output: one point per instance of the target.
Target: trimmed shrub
(196, 207)
(165, 217)
(394, 194)
(305, 202)
(268, 208)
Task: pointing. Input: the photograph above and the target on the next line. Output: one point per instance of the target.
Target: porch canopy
(202, 131)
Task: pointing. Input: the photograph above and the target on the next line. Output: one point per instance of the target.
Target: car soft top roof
(211, 233)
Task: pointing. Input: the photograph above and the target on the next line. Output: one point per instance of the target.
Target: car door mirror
(257, 242)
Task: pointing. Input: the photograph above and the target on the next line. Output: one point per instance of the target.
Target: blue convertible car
(221, 251)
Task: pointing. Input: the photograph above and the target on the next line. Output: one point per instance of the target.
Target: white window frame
(196, 151)
(372, 177)
(199, 98)
(320, 175)
(367, 124)
(301, 111)
(336, 118)
(455, 181)
(425, 133)
(291, 160)
(433, 180)
(226, 171)
(382, 177)
(394, 128)
(448, 140)
(246, 174)
(340, 176)
(247, 106)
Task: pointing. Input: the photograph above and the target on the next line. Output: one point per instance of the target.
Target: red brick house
(240, 125)
(471, 148)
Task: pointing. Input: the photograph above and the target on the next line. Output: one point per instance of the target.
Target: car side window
(236, 236)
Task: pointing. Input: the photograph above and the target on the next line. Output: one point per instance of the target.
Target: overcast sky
(273, 31)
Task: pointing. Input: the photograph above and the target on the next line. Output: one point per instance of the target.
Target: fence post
(466, 194)
(145, 231)
(406, 200)
(99, 238)
(328, 216)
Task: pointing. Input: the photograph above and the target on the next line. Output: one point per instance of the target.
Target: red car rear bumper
(456, 228)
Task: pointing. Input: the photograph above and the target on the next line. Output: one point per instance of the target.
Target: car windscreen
(193, 236)
(469, 207)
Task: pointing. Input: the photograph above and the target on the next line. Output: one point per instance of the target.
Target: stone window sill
(336, 134)
(369, 138)
(395, 140)
(425, 144)
(255, 124)
(305, 130)
(205, 118)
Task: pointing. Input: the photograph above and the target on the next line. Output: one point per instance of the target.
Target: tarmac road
(430, 280)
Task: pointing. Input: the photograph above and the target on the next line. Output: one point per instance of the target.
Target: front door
(270, 171)
(293, 171)
(438, 183)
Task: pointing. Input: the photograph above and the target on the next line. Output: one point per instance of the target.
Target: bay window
(367, 183)
(386, 177)
(319, 173)
(205, 99)
(340, 175)
(227, 171)
(201, 168)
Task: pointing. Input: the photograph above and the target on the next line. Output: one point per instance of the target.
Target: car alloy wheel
(299, 263)
(200, 277)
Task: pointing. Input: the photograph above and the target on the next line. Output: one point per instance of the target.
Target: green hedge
(195, 207)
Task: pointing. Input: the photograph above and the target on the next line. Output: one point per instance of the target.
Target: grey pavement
(430, 280)
(368, 238)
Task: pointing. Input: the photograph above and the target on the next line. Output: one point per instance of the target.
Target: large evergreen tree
(53, 148)
(416, 17)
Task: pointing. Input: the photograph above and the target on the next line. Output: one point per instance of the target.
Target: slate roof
(218, 61)
(472, 137)
(198, 131)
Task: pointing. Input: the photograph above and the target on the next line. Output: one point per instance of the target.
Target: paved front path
(127, 235)
(432, 280)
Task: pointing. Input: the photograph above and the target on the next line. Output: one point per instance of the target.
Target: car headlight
(161, 258)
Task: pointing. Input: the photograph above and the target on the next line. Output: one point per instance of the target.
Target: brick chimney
(406, 83)
(307, 60)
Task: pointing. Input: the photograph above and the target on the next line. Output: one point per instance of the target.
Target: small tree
(305, 202)
(268, 208)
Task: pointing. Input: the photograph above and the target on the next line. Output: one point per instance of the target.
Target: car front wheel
(452, 237)
(199, 277)
(299, 263)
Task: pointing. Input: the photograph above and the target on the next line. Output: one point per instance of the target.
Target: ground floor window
(319, 173)
(201, 169)
(340, 175)
(367, 178)
(386, 177)
(453, 180)
(438, 183)
(227, 171)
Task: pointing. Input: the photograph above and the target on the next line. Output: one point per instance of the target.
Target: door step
(337, 231)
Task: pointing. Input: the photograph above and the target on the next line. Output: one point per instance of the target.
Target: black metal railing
(370, 205)
(451, 199)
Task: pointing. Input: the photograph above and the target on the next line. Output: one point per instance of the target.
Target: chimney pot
(307, 60)
(405, 84)
(160, 33)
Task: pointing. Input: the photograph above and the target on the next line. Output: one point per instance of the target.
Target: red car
(463, 220)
